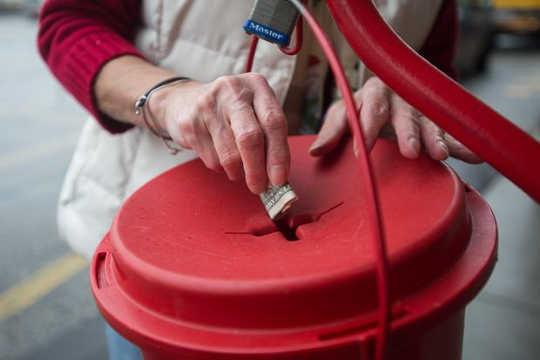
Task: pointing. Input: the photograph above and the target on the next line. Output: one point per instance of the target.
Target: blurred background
(46, 309)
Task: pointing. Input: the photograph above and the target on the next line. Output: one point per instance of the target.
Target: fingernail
(314, 148)
(443, 146)
(414, 143)
(278, 174)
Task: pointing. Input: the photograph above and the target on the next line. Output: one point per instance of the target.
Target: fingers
(274, 126)
(405, 123)
(433, 138)
(412, 129)
(223, 141)
(248, 129)
(235, 124)
(374, 104)
(250, 142)
(202, 143)
(239, 126)
(379, 108)
(375, 111)
(460, 151)
(441, 145)
(333, 129)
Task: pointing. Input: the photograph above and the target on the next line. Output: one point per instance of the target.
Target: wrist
(157, 107)
(163, 101)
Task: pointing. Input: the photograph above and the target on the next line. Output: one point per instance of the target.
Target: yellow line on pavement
(28, 291)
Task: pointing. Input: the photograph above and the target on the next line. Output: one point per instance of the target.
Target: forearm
(78, 38)
(121, 81)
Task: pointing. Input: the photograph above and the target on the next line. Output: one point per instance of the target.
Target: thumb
(333, 129)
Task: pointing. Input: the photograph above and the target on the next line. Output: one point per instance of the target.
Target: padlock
(272, 20)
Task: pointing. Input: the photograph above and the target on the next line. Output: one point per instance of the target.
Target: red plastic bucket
(193, 268)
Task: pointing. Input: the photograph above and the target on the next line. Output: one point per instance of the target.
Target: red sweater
(76, 38)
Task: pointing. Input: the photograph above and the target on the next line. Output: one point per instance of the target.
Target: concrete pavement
(40, 128)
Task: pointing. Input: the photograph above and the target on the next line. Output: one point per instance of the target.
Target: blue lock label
(262, 31)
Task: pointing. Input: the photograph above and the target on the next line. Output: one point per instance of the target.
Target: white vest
(202, 42)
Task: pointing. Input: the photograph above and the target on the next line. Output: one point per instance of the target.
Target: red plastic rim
(448, 233)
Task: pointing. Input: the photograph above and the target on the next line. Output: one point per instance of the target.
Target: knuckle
(206, 102)
(274, 120)
(407, 135)
(414, 128)
(204, 111)
(410, 116)
(212, 163)
(232, 94)
(256, 78)
(380, 108)
(250, 139)
(230, 159)
(277, 157)
(242, 96)
(434, 128)
(223, 80)
(336, 109)
(218, 84)
(373, 82)
(186, 126)
(239, 105)
(226, 82)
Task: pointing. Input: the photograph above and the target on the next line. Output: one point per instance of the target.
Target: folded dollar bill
(278, 199)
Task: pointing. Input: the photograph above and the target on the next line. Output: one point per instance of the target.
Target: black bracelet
(140, 110)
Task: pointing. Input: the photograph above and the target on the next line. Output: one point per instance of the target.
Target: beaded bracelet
(140, 110)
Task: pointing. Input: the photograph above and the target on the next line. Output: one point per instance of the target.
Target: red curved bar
(491, 136)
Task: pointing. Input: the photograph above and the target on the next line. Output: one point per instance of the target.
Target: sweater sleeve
(76, 38)
(441, 44)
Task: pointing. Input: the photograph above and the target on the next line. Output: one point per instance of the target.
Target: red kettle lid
(193, 246)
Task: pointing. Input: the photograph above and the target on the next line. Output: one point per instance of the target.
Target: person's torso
(203, 40)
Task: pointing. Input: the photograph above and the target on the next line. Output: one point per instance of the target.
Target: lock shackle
(487, 133)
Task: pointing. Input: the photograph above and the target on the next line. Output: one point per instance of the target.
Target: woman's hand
(234, 123)
(384, 112)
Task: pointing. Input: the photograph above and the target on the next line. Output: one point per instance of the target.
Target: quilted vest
(202, 40)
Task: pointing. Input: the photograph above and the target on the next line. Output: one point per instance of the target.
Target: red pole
(491, 136)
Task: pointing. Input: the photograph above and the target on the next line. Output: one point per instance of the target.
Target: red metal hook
(491, 136)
